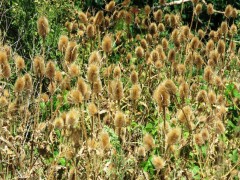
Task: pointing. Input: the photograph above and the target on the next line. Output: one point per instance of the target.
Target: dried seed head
(97, 86)
(117, 72)
(210, 46)
(58, 123)
(219, 126)
(161, 96)
(107, 44)
(141, 152)
(82, 87)
(210, 9)
(212, 97)
(3, 58)
(158, 15)
(184, 90)
(43, 27)
(208, 74)
(154, 56)
(173, 20)
(92, 73)
(152, 28)
(90, 31)
(95, 57)
(181, 69)
(73, 70)
(105, 140)
(3, 101)
(170, 86)
(148, 142)
(117, 90)
(164, 44)
(83, 17)
(162, 2)
(205, 134)
(76, 96)
(134, 77)
(51, 88)
(92, 109)
(71, 52)
(161, 27)
(119, 120)
(28, 83)
(201, 33)
(198, 9)
(198, 139)
(173, 136)
(228, 11)
(158, 162)
(99, 18)
(39, 66)
(233, 29)
(143, 43)
(62, 43)
(110, 6)
(171, 55)
(234, 13)
(224, 27)
(147, 10)
(66, 84)
(20, 63)
(221, 46)
(194, 44)
(72, 117)
(50, 70)
(135, 92)
(185, 114)
(139, 52)
(198, 60)
(58, 76)
(19, 84)
(201, 96)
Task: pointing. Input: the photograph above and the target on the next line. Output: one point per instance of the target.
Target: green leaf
(62, 161)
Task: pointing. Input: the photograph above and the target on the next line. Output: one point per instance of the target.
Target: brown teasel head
(43, 26)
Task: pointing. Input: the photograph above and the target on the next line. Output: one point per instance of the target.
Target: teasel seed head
(135, 92)
(181, 69)
(105, 140)
(233, 29)
(117, 90)
(66, 84)
(171, 55)
(212, 97)
(58, 123)
(3, 58)
(107, 44)
(148, 142)
(20, 63)
(19, 84)
(72, 117)
(141, 152)
(161, 96)
(201, 33)
(110, 6)
(81, 85)
(208, 74)
(234, 13)
(28, 83)
(144, 44)
(173, 136)
(198, 9)
(117, 72)
(39, 66)
(62, 43)
(92, 73)
(219, 127)
(95, 57)
(184, 115)
(71, 52)
(210, 46)
(221, 46)
(153, 28)
(90, 31)
(173, 20)
(184, 90)
(50, 70)
(158, 15)
(198, 60)
(158, 162)
(147, 10)
(139, 52)
(134, 77)
(51, 88)
(224, 27)
(170, 86)
(161, 27)
(198, 139)
(97, 86)
(228, 11)
(119, 120)
(194, 43)
(162, 2)
(210, 9)
(83, 17)
(99, 18)
(3, 101)
(58, 77)
(92, 109)
(73, 70)
(201, 96)
(43, 27)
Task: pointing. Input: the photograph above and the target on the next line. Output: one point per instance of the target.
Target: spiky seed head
(161, 96)
(117, 90)
(147, 10)
(95, 57)
(99, 18)
(81, 85)
(153, 28)
(164, 44)
(117, 72)
(62, 43)
(20, 63)
(39, 66)
(205, 134)
(158, 15)
(72, 117)
(92, 109)
(43, 26)
(210, 9)
(3, 57)
(201, 96)
(83, 17)
(3, 101)
(58, 76)
(198, 139)
(97, 86)
(228, 11)
(19, 84)
(76, 96)
(141, 152)
(198, 8)
(221, 46)
(119, 120)
(92, 73)
(73, 70)
(50, 70)
(143, 43)
(135, 92)
(224, 27)
(139, 52)
(172, 55)
(219, 127)
(148, 142)
(173, 136)
(234, 13)
(90, 31)
(134, 77)
(185, 114)
(158, 162)
(28, 83)
(107, 44)
(184, 90)
(71, 52)
(208, 74)
(110, 6)
(170, 86)
(161, 27)
(58, 123)
(105, 140)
